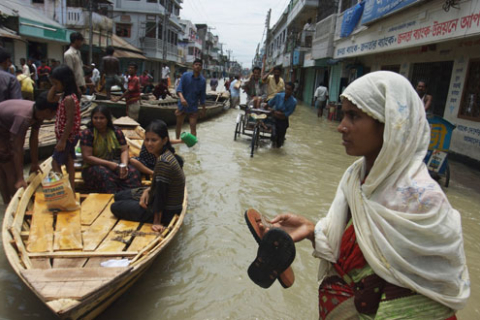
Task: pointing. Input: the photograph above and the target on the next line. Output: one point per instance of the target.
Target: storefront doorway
(37, 51)
(392, 67)
(437, 77)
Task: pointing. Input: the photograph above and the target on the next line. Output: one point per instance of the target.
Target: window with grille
(436, 76)
(150, 31)
(123, 30)
(160, 31)
(470, 105)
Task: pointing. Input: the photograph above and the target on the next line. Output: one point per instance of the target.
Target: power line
(196, 8)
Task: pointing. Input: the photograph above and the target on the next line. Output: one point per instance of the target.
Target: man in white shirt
(321, 96)
(165, 72)
(95, 74)
(73, 59)
(25, 68)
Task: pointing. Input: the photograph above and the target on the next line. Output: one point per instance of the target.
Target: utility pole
(229, 51)
(166, 16)
(90, 33)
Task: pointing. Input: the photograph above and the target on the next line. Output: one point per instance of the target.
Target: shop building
(422, 41)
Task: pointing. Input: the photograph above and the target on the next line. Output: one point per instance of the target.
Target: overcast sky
(240, 24)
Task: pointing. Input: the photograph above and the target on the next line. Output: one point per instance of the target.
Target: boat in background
(216, 103)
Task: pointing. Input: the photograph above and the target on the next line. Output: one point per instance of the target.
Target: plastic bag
(58, 192)
(115, 263)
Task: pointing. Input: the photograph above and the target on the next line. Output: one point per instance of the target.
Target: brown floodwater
(203, 272)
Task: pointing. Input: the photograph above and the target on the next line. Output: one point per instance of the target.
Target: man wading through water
(191, 91)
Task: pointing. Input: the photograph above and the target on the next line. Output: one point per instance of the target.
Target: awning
(33, 23)
(120, 43)
(123, 49)
(7, 33)
(128, 54)
(182, 65)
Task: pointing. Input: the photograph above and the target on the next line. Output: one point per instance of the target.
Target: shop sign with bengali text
(440, 26)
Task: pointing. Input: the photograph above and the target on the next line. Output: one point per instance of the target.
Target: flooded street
(203, 272)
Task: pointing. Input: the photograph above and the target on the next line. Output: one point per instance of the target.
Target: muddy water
(202, 274)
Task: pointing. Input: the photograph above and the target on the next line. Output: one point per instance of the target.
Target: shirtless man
(426, 98)
(111, 69)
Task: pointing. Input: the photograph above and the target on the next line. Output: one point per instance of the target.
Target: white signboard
(408, 29)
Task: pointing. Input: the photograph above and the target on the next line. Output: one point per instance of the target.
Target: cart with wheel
(437, 155)
(254, 123)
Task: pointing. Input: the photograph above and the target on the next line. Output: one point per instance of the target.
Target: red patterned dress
(61, 119)
(357, 292)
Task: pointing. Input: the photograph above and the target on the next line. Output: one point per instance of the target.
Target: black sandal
(276, 253)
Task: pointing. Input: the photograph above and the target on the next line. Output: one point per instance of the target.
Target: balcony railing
(78, 18)
(299, 7)
(306, 37)
(323, 40)
(154, 48)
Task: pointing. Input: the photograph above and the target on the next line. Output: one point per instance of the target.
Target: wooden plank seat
(68, 230)
(92, 206)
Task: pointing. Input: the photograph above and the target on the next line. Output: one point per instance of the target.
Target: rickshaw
(437, 155)
(253, 123)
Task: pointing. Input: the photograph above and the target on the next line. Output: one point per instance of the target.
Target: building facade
(429, 41)
(154, 27)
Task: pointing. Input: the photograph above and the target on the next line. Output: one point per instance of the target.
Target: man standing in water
(426, 98)
(111, 69)
(283, 105)
(321, 96)
(191, 91)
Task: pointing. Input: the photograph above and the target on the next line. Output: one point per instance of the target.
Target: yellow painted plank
(122, 231)
(142, 240)
(41, 229)
(99, 229)
(68, 231)
(93, 206)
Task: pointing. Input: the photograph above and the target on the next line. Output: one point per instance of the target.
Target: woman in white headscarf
(391, 245)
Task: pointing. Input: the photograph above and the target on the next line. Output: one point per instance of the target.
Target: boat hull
(71, 282)
(163, 111)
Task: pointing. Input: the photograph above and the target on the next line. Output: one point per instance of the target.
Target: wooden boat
(216, 103)
(58, 255)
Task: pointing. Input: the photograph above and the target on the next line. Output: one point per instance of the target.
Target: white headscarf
(407, 230)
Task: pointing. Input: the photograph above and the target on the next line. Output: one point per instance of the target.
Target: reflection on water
(202, 274)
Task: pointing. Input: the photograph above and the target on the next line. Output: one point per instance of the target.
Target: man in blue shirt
(191, 91)
(9, 85)
(283, 105)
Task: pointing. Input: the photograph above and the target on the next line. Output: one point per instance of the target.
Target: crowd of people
(107, 167)
(391, 245)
